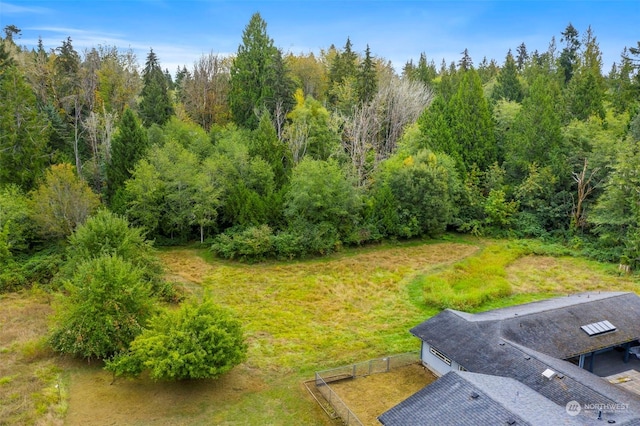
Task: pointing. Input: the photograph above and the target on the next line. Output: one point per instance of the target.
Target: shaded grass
(31, 385)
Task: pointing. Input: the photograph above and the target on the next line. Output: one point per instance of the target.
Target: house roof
(521, 342)
(479, 399)
(551, 326)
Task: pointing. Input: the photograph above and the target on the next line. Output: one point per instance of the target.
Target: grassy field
(299, 317)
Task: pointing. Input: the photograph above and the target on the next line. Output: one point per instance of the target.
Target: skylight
(597, 328)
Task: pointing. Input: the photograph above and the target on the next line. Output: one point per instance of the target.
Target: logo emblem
(573, 408)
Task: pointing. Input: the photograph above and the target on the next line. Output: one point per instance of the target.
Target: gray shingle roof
(463, 398)
(521, 342)
(551, 326)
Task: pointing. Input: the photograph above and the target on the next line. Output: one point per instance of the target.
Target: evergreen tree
(367, 83)
(23, 130)
(265, 143)
(342, 74)
(508, 86)
(344, 65)
(569, 55)
(536, 135)
(283, 87)
(449, 79)
(472, 125)
(127, 147)
(622, 92)
(586, 91)
(258, 77)
(435, 127)
(156, 106)
(465, 63)
(522, 56)
(425, 72)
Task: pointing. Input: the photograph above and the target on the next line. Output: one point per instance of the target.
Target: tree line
(267, 154)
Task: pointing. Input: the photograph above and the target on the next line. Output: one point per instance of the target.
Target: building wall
(438, 362)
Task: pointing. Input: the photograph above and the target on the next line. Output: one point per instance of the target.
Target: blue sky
(181, 31)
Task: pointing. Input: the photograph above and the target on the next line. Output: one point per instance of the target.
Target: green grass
(471, 282)
(299, 317)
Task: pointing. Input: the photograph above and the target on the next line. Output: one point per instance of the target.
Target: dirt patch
(370, 396)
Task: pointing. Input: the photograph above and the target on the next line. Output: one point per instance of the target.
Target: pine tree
(465, 63)
(342, 73)
(127, 147)
(265, 143)
(472, 125)
(620, 83)
(367, 83)
(156, 106)
(569, 55)
(508, 87)
(425, 72)
(536, 134)
(23, 130)
(587, 89)
(435, 127)
(522, 56)
(259, 78)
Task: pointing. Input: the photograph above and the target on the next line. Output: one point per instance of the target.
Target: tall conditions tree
(259, 80)
(471, 123)
(128, 146)
(156, 106)
(23, 131)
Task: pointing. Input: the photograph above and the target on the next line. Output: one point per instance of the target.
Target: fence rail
(361, 369)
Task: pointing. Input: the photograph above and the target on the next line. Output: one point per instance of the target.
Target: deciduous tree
(107, 306)
(62, 202)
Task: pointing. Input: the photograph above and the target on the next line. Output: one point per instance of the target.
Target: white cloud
(12, 9)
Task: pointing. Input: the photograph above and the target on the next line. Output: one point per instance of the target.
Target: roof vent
(597, 328)
(549, 374)
(511, 422)
(474, 395)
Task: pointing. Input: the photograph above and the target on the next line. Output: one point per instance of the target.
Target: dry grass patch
(565, 275)
(370, 396)
(143, 401)
(28, 371)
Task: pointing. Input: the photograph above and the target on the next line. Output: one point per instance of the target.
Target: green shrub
(251, 244)
(107, 305)
(288, 245)
(107, 233)
(198, 341)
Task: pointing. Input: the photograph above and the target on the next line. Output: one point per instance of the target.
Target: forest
(267, 154)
